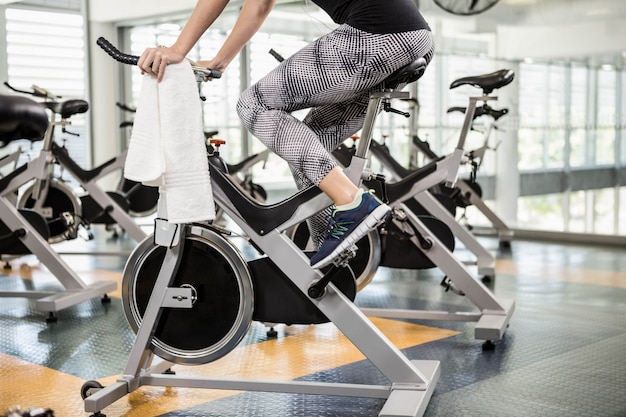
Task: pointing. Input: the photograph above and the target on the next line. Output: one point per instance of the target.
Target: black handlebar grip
(115, 53)
(132, 59)
(459, 109)
(276, 55)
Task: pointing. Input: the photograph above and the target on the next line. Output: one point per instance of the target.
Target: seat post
(357, 166)
(373, 108)
(469, 118)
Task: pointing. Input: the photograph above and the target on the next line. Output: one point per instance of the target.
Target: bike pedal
(450, 286)
(69, 221)
(344, 257)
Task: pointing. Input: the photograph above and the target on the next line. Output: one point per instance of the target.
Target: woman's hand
(214, 65)
(154, 60)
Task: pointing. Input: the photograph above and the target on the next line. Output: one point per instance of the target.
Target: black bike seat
(21, 118)
(407, 74)
(487, 82)
(68, 108)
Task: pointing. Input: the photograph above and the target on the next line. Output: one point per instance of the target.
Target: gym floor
(563, 354)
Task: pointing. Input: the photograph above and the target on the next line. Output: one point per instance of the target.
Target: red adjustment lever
(217, 142)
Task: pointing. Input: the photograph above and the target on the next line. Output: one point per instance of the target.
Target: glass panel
(555, 148)
(530, 149)
(622, 122)
(577, 212)
(543, 212)
(578, 96)
(427, 95)
(603, 211)
(47, 49)
(622, 211)
(605, 139)
(605, 146)
(532, 115)
(577, 142)
(578, 122)
(556, 96)
(532, 100)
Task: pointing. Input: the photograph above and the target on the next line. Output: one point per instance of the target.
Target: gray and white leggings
(333, 76)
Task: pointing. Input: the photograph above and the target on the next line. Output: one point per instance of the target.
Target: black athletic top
(375, 16)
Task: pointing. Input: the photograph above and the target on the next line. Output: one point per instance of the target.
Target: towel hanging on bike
(167, 146)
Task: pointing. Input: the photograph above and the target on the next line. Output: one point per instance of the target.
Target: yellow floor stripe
(28, 385)
(562, 273)
(304, 350)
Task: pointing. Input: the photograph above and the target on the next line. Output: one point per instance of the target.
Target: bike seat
(21, 118)
(487, 82)
(68, 108)
(406, 74)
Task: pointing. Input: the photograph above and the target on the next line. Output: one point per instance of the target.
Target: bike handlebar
(481, 111)
(132, 59)
(35, 92)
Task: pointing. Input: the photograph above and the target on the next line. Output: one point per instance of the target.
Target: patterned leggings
(333, 76)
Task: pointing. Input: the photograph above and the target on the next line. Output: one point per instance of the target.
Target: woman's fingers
(154, 61)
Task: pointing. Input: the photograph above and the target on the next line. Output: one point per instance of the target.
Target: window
(578, 119)
(533, 112)
(47, 49)
(567, 123)
(605, 134)
(621, 125)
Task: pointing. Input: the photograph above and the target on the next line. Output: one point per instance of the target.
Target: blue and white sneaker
(346, 227)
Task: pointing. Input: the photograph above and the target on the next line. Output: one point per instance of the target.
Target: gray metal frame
(39, 170)
(493, 315)
(121, 217)
(411, 383)
(484, 260)
(76, 291)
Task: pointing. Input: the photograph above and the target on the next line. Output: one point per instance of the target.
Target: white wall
(572, 40)
(123, 10)
(105, 135)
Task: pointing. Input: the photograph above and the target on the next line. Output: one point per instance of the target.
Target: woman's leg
(334, 76)
(326, 75)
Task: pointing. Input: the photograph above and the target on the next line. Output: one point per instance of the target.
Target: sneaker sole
(375, 218)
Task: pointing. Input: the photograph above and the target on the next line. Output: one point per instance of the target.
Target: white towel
(167, 145)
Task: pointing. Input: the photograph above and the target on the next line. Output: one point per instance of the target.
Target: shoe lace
(336, 229)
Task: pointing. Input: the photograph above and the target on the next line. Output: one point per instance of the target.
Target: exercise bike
(468, 192)
(191, 276)
(442, 200)
(417, 240)
(56, 201)
(25, 231)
